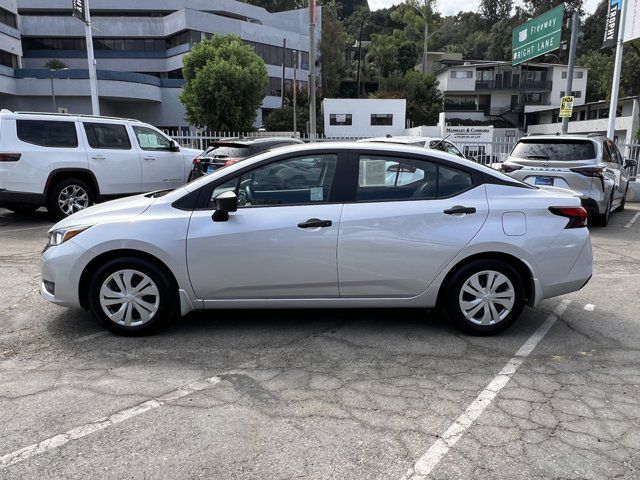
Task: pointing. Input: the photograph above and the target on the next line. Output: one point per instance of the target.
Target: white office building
(488, 90)
(363, 117)
(139, 47)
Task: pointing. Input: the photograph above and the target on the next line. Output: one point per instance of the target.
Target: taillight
(509, 167)
(597, 171)
(10, 157)
(577, 215)
(231, 161)
(196, 161)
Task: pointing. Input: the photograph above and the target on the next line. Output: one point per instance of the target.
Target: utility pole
(426, 40)
(359, 60)
(284, 55)
(617, 67)
(572, 62)
(312, 69)
(295, 92)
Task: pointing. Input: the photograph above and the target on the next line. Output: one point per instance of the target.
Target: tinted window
(452, 181)
(557, 150)
(48, 133)
(381, 119)
(228, 152)
(615, 153)
(149, 139)
(106, 135)
(386, 178)
(293, 181)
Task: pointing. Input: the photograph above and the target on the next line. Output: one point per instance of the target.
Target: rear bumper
(8, 197)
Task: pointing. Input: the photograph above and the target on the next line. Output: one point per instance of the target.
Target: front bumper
(62, 266)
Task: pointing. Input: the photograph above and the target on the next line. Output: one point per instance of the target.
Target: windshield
(557, 150)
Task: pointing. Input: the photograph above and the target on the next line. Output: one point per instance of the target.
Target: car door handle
(149, 158)
(315, 223)
(458, 209)
(98, 157)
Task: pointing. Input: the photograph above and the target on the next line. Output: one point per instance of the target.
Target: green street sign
(538, 36)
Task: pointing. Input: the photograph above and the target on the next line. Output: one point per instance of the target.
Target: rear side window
(556, 150)
(48, 133)
(229, 152)
(107, 135)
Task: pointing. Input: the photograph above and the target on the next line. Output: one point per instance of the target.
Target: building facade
(485, 91)
(139, 48)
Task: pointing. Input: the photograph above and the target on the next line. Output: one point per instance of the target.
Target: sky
(448, 7)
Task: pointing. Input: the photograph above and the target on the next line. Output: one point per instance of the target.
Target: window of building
(107, 135)
(579, 74)
(48, 133)
(603, 113)
(340, 119)
(8, 59)
(576, 94)
(381, 119)
(178, 39)
(8, 18)
(461, 73)
(583, 114)
(484, 75)
(460, 102)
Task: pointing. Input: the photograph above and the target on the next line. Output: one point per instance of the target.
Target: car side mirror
(629, 163)
(174, 147)
(225, 202)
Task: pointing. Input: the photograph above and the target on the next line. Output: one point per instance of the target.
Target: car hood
(121, 209)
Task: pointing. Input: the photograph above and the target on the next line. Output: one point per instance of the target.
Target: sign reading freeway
(538, 36)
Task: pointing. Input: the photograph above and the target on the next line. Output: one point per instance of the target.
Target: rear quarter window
(557, 150)
(47, 133)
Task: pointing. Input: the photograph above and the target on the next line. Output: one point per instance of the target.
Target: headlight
(61, 235)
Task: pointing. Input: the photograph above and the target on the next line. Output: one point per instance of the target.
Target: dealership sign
(79, 9)
(632, 20)
(537, 37)
(469, 134)
(612, 25)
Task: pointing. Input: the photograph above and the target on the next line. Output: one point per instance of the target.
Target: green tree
(332, 47)
(55, 64)
(224, 84)
(383, 53)
(424, 100)
(494, 11)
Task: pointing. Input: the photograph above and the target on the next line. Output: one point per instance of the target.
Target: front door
(112, 158)
(162, 168)
(410, 219)
(281, 243)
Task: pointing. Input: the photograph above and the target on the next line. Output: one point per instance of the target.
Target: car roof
(64, 116)
(246, 141)
(569, 137)
(404, 139)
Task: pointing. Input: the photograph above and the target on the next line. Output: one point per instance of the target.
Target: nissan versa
(324, 225)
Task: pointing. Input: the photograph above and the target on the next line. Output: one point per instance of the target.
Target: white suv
(69, 162)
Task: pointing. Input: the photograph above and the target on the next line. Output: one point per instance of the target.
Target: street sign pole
(312, 69)
(80, 9)
(572, 62)
(615, 86)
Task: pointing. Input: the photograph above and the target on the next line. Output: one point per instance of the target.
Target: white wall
(560, 84)
(361, 111)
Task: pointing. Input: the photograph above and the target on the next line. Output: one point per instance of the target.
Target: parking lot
(345, 394)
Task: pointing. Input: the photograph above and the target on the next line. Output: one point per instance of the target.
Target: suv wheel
(132, 296)
(623, 202)
(484, 297)
(68, 197)
(602, 219)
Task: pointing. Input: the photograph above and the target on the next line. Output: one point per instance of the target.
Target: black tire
(602, 219)
(168, 301)
(450, 301)
(22, 208)
(623, 203)
(53, 206)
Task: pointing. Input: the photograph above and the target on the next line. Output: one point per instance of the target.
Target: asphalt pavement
(319, 394)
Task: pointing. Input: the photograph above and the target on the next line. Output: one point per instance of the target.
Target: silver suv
(590, 165)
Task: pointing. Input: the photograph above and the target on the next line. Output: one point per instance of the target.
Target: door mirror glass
(629, 163)
(225, 202)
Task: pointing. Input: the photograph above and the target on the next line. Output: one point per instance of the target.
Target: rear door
(409, 218)
(112, 157)
(162, 168)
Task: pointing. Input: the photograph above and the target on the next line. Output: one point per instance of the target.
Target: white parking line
(633, 220)
(425, 464)
(23, 229)
(589, 307)
(90, 337)
(113, 419)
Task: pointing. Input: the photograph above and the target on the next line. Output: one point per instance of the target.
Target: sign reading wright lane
(538, 36)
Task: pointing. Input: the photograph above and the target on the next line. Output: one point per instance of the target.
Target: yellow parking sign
(566, 107)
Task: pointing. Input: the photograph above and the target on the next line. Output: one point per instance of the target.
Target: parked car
(590, 165)
(324, 225)
(425, 142)
(69, 162)
(225, 152)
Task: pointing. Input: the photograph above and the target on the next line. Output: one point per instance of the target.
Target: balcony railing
(521, 86)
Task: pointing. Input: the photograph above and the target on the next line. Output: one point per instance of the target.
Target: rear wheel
(484, 297)
(623, 203)
(132, 296)
(68, 197)
(602, 219)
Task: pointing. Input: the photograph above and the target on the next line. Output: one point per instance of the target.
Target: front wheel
(484, 297)
(132, 297)
(68, 197)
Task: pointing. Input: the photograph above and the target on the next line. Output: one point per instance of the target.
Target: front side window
(294, 181)
(48, 133)
(107, 135)
(149, 139)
